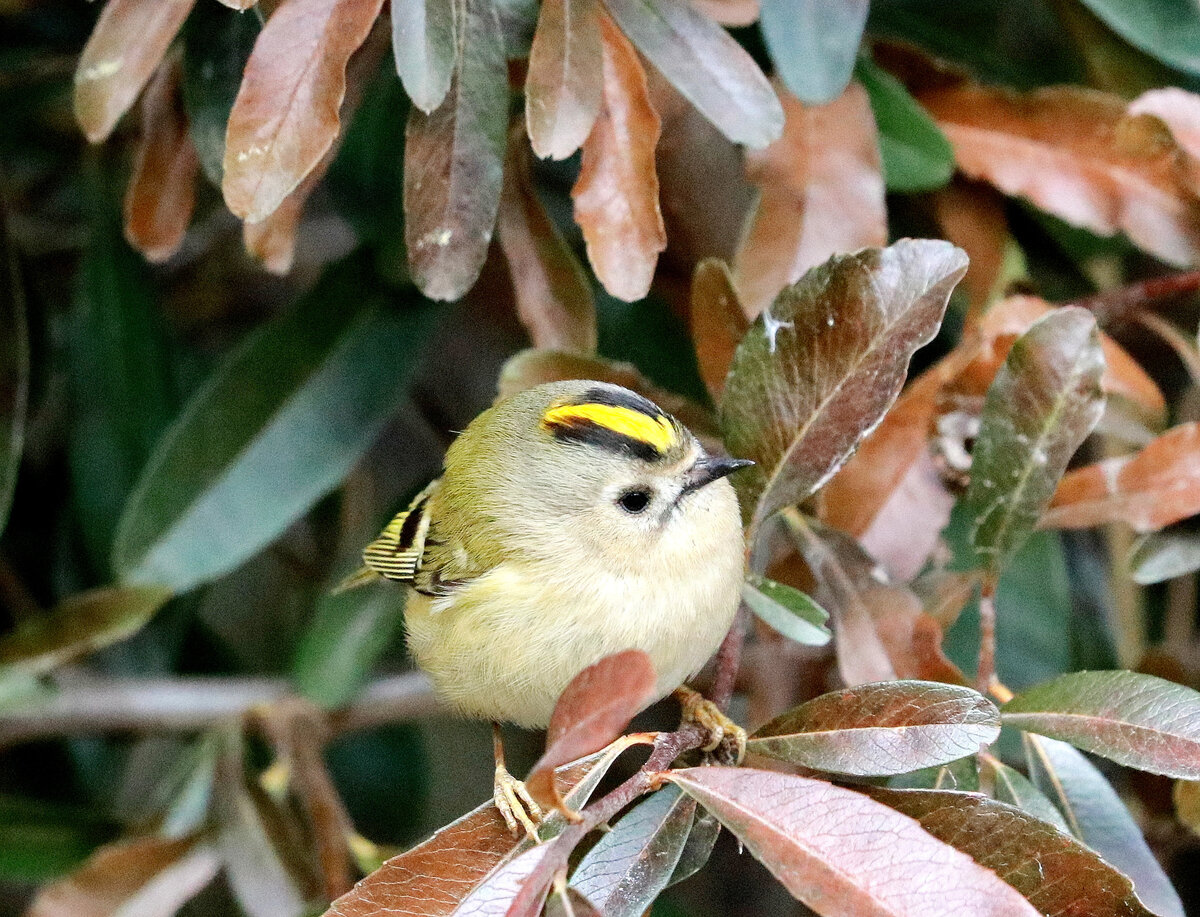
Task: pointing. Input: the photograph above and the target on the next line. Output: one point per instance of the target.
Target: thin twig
(729, 659)
(987, 637)
(1113, 305)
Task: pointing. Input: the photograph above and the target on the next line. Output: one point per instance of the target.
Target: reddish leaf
(1152, 489)
(844, 854)
(285, 116)
(454, 163)
(1095, 814)
(616, 194)
(162, 188)
(820, 193)
(890, 727)
(1041, 406)
(1055, 873)
(435, 877)
(1179, 110)
(496, 895)
(130, 38)
(821, 367)
(565, 80)
(1073, 153)
(149, 876)
(554, 297)
(1134, 719)
(972, 216)
(718, 323)
(591, 712)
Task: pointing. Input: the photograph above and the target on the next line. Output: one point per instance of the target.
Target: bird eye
(634, 501)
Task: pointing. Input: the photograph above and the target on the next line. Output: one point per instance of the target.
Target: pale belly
(504, 646)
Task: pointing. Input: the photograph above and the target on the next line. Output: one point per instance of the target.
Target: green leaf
(39, 841)
(961, 775)
(916, 154)
(423, 41)
(813, 44)
(122, 392)
(788, 610)
(1057, 875)
(699, 846)
(709, 68)
(879, 729)
(1134, 719)
(78, 625)
(1165, 29)
(454, 158)
(821, 366)
(216, 45)
(1095, 814)
(1042, 404)
(627, 868)
(14, 368)
(277, 427)
(1014, 788)
(347, 635)
(1164, 555)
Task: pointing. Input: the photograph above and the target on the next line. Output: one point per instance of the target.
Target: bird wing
(398, 552)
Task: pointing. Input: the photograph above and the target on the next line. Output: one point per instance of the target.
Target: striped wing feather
(397, 553)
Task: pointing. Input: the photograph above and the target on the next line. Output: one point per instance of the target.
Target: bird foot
(726, 739)
(516, 805)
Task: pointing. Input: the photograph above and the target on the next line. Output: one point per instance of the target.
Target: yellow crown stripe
(657, 432)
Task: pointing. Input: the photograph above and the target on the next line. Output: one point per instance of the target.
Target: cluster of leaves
(919, 514)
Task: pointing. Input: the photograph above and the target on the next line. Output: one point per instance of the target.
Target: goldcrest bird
(572, 521)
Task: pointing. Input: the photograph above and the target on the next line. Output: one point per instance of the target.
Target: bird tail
(360, 577)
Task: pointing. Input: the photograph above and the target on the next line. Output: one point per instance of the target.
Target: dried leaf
(1056, 874)
(424, 44)
(454, 162)
(787, 610)
(616, 194)
(130, 38)
(145, 877)
(162, 188)
(843, 854)
(564, 85)
(554, 298)
(881, 729)
(820, 193)
(1041, 406)
(1070, 152)
(1186, 796)
(285, 116)
(592, 711)
(628, 867)
(1095, 814)
(1179, 110)
(709, 68)
(1134, 719)
(821, 367)
(971, 215)
(433, 878)
(1154, 488)
(718, 323)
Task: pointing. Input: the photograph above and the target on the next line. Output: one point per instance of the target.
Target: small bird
(572, 521)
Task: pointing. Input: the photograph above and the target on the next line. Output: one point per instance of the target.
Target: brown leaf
(972, 216)
(729, 12)
(821, 193)
(718, 322)
(616, 194)
(592, 711)
(554, 297)
(130, 38)
(565, 80)
(1075, 154)
(433, 878)
(454, 163)
(823, 365)
(1054, 872)
(843, 854)
(1179, 110)
(149, 876)
(285, 116)
(162, 188)
(1152, 489)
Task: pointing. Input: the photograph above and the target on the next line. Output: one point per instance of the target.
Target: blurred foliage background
(234, 425)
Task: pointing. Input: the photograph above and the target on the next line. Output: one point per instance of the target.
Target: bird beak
(708, 469)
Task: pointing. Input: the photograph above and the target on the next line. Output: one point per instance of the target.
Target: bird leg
(725, 736)
(512, 799)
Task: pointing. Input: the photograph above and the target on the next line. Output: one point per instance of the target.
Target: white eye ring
(634, 501)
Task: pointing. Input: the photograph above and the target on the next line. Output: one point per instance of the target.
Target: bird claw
(726, 739)
(515, 804)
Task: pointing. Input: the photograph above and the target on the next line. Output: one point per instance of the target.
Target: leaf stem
(1110, 306)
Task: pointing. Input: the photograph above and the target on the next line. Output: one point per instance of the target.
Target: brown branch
(1113, 305)
(729, 660)
(986, 675)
